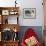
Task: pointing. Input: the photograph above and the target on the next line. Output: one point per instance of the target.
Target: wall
(27, 4)
(39, 12)
(28, 22)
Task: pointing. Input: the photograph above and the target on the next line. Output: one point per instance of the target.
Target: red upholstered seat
(29, 33)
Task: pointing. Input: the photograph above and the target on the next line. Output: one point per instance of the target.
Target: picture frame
(29, 13)
(5, 12)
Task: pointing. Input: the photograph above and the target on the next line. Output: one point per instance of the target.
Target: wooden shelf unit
(9, 11)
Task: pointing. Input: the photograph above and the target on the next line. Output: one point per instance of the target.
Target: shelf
(4, 8)
(9, 23)
(6, 12)
(9, 11)
(11, 41)
(10, 26)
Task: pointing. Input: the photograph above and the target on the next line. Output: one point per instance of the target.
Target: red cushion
(29, 33)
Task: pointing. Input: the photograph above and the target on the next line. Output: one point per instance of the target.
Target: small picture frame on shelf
(29, 13)
(5, 12)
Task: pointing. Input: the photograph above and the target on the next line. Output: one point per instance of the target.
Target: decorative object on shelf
(15, 29)
(6, 21)
(15, 34)
(29, 13)
(15, 37)
(13, 12)
(5, 12)
(7, 34)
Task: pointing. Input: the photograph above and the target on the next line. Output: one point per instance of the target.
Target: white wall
(27, 4)
(39, 13)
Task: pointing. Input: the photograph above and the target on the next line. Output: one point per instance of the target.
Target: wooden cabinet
(9, 23)
(10, 43)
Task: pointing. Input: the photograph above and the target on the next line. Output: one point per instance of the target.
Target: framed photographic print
(5, 12)
(29, 13)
